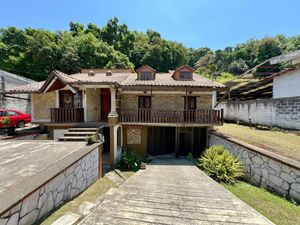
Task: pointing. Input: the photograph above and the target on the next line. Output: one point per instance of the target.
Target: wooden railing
(170, 116)
(67, 115)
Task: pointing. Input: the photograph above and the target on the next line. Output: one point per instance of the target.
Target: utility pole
(2, 88)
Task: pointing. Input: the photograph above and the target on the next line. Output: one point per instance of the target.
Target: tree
(267, 48)
(238, 67)
(76, 29)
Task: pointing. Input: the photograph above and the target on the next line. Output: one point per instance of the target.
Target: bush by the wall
(129, 160)
(220, 164)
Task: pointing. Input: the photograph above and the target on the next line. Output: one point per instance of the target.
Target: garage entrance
(191, 139)
(161, 140)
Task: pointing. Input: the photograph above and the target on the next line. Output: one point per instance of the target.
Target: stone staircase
(87, 207)
(78, 134)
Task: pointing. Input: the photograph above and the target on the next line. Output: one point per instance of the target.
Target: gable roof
(166, 79)
(145, 66)
(185, 67)
(57, 80)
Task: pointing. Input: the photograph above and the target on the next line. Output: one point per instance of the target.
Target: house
(15, 101)
(149, 112)
(268, 94)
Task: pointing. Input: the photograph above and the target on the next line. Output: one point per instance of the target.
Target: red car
(16, 118)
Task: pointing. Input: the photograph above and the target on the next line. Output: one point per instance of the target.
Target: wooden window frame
(185, 75)
(146, 75)
(61, 104)
(144, 102)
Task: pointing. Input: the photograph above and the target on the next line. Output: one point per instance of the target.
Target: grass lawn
(279, 210)
(283, 143)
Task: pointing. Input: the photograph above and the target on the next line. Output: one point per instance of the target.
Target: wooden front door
(65, 99)
(105, 103)
(190, 107)
(144, 111)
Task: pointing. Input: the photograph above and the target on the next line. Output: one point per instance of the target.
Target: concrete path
(172, 192)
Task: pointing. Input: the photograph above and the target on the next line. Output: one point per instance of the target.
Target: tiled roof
(166, 79)
(99, 78)
(122, 79)
(28, 88)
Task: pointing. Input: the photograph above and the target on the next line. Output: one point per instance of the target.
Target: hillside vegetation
(34, 53)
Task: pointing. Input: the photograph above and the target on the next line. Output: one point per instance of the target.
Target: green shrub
(91, 139)
(220, 164)
(129, 160)
(190, 156)
(5, 121)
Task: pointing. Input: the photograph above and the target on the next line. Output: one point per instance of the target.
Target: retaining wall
(50, 195)
(264, 168)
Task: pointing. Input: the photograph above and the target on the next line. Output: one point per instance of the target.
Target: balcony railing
(66, 115)
(210, 117)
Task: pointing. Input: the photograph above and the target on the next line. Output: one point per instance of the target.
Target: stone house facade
(148, 112)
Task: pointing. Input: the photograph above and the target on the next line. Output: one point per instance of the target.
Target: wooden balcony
(205, 117)
(67, 115)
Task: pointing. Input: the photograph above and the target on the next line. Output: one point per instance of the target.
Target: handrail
(171, 116)
(67, 115)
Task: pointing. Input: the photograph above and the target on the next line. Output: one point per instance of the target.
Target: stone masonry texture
(264, 171)
(65, 186)
(167, 102)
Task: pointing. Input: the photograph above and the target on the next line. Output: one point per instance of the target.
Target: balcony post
(113, 115)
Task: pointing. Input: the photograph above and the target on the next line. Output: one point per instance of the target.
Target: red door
(105, 103)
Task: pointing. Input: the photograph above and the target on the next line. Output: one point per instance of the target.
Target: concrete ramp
(173, 192)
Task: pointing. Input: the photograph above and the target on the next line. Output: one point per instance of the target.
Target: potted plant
(5, 121)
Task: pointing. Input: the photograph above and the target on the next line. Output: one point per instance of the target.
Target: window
(11, 113)
(186, 75)
(146, 75)
(144, 102)
(190, 103)
(69, 100)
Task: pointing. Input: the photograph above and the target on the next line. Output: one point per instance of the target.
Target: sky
(195, 23)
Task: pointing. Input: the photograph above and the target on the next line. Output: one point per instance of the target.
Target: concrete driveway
(173, 192)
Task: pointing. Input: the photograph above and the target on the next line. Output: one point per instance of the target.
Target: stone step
(86, 208)
(81, 133)
(72, 138)
(68, 218)
(83, 129)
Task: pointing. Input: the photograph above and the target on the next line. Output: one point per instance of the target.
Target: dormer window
(146, 73)
(183, 73)
(186, 75)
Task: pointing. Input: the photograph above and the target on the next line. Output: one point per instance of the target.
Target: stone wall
(264, 168)
(42, 104)
(63, 187)
(282, 112)
(167, 101)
